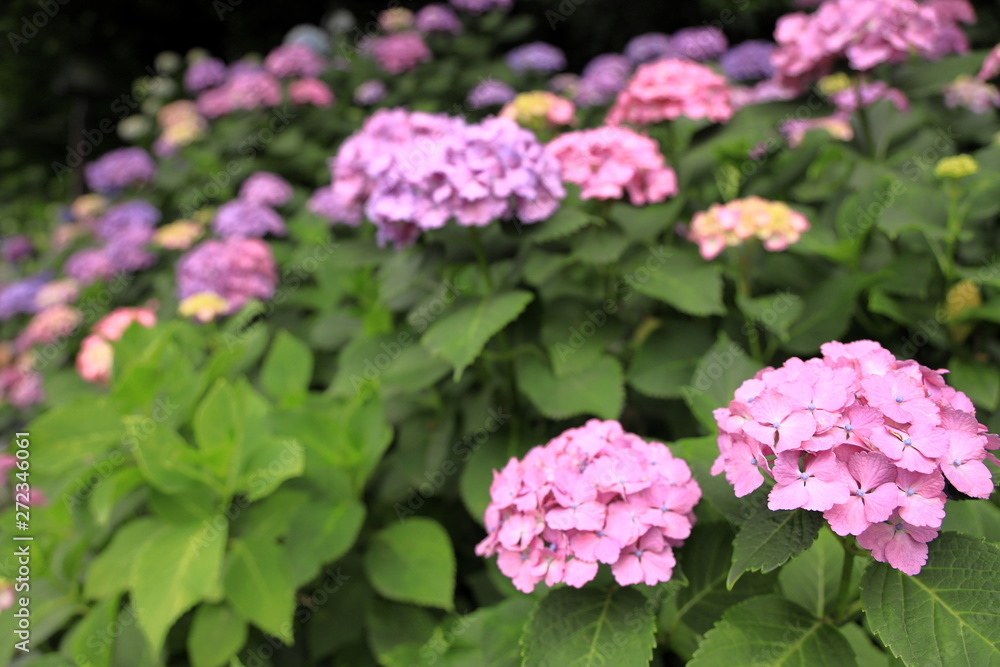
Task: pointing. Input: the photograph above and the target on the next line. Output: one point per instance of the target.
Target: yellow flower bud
(204, 306)
(834, 83)
(961, 297)
(956, 166)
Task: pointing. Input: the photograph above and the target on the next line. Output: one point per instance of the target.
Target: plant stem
(477, 248)
(743, 288)
(866, 126)
(844, 593)
(954, 227)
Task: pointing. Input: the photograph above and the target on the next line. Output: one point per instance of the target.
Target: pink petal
(789, 497)
(578, 572)
(905, 554)
(871, 469)
(880, 503)
(847, 518)
(627, 570)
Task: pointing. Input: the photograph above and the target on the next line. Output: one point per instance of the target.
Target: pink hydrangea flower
(96, 356)
(594, 494)
(49, 325)
(861, 436)
(311, 91)
(607, 162)
(267, 188)
(774, 223)
(991, 65)
(671, 88)
(290, 60)
(400, 52)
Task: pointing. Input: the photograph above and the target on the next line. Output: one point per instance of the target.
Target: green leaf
(177, 567)
(811, 578)
(705, 560)
(396, 632)
(976, 519)
(776, 312)
(826, 314)
(644, 223)
(488, 636)
(413, 562)
(947, 614)
(600, 246)
(981, 381)
(76, 434)
(168, 463)
(460, 337)
(716, 378)
(683, 280)
(218, 430)
(216, 635)
(258, 583)
(587, 627)
(599, 390)
(567, 220)
(110, 491)
(320, 534)
(667, 359)
(90, 642)
(270, 464)
(767, 539)
(108, 573)
(287, 368)
(768, 630)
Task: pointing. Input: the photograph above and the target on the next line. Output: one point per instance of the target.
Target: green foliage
(413, 562)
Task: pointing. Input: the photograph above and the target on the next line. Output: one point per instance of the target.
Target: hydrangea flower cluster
(867, 33)
(861, 436)
(311, 91)
(668, 89)
(20, 384)
(773, 222)
(539, 109)
(972, 93)
(698, 44)
(369, 92)
(481, 6)
(412, 171)
(294, 60)
(399, 52)
(536, 57)
(604, 77)
(748, 61)
(18, 297)
(648, 47)
(180, 124)
(124, 231)
(119, 169)
(96, 356)
(204, 73)
(395, 19)
(245, 88)
(490, 92)
(16, 248)
(236, 269)
(48, 326)
(437, 18)
(594, 494)
(606, 162)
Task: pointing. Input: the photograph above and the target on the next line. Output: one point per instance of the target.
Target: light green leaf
(287, 368)
(111, 490)
(947, 614)
(567, 220)
(588, 627)
(973, 518)
(168, 463)
(216, 635)
(177, 567)
(269, 465)
(258, 583)
(682, 280)
(460, 337)
(108, 573)
(413, 562)
(90, 642)
(599, 390)
(768, 630)
(75, 434)
(218, 430)
(767, 539)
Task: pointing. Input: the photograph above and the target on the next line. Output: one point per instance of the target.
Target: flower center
(899, 399)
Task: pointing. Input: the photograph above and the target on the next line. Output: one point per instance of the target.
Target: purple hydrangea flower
(400, 52)
(438, 18)
(204, 73)
(481, 6)
(748, 61)
(15, 248)
(699, 44)
(19, 297)
(649, 47)
(412, 171)
(237, 269)
(294, 60)
(536, 57)
(370, 92)
(602, 79)
(264, 187)
(245, 218)
(119, 169)
(311, 36)
(88, 266)
(136, 214)
(128, 252)
(490, 92)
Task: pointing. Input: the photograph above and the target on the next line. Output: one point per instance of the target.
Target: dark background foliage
(66, 75)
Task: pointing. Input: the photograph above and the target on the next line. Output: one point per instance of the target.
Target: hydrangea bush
(698, 339)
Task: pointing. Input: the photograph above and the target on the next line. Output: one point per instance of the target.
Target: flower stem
(954, 227)
(743, 288)
(844, 593)
(866, 126)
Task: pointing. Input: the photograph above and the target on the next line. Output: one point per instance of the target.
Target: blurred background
(65, 65)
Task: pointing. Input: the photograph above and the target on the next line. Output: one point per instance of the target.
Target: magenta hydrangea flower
(668, 89)
(264, 187)
(846, 100)
(15, 248)
(411, 171)
(204, 73)
(437, 18)
(369, 92)
(594, 494)
(536, 57)
(867, 33)
(241, 217)
(247, 87)
(119, 169)
(607, 162)
(481, 6)
(294, 60)
(237, 269)
(863, 437)
(400, 52)
(89, 265)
